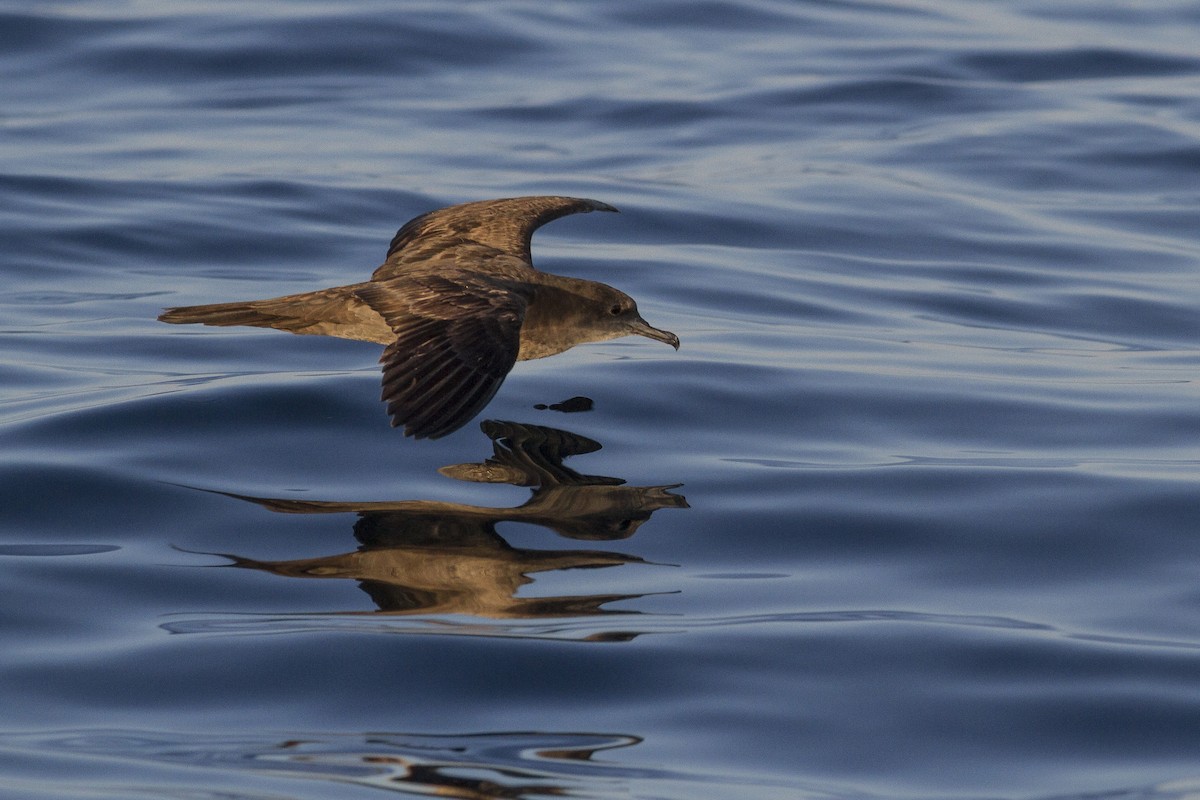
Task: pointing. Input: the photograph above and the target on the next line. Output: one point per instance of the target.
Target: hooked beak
(641, 328)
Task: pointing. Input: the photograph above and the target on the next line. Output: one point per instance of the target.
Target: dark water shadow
(426, 557)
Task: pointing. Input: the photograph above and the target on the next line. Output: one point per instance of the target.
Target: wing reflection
(425, 556)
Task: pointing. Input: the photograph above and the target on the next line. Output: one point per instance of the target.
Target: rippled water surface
(912, 513)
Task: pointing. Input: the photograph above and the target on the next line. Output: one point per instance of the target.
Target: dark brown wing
(506, 225)
(457, 336)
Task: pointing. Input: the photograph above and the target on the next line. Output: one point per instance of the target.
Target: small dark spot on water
(568, 406)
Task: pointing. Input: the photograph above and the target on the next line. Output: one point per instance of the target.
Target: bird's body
(457, 302)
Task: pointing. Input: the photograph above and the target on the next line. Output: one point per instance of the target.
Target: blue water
(936, 415)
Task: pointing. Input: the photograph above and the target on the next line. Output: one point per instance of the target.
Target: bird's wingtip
(596, 205)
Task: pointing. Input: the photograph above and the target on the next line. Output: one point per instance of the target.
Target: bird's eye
(615, 310)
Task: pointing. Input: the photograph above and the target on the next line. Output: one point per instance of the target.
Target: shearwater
(458, 302)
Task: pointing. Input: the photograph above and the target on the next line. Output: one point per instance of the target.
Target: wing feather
(503, 225)
(457, 337)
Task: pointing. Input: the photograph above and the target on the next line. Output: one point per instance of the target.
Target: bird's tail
(328, 312)
(258, 313)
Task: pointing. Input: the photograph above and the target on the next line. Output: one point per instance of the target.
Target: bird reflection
(491, 765)
(425, 556)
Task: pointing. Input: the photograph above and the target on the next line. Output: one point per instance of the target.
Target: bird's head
(617, 313)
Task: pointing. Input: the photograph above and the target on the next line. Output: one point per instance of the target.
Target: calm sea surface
(913, 513)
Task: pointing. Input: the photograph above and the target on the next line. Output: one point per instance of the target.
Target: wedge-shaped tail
(329, 312)
(223, 314)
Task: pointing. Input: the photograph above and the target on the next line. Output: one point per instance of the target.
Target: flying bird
(457, 302)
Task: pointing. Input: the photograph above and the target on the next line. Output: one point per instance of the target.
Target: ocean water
(913, 512)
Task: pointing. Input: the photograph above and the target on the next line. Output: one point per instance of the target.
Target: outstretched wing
(457, 337)
(506, 225)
